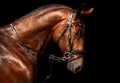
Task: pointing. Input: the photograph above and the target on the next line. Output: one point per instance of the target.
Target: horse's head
(62, 23)
(69, 36)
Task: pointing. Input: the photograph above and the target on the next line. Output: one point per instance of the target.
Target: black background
(11, 10)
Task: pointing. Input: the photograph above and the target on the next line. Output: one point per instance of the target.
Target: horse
(24, 38)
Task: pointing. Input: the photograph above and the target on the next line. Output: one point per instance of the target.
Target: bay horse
(21, 40)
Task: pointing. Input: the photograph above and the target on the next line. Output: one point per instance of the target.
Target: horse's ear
(87, 12)
(82, 12)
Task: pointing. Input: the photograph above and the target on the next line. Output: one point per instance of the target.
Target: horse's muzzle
(75, 65)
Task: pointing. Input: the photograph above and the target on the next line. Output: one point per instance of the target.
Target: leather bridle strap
(76, 52)
(68, 27)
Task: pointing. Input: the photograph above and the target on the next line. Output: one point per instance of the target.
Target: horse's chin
(74, 66)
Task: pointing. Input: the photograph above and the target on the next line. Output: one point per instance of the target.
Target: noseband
(71, 51)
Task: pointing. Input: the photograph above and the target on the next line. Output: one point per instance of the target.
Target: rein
(27, 49)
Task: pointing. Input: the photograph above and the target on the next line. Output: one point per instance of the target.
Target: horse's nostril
(78, 69)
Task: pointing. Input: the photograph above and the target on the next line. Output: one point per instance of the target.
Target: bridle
(70, 51)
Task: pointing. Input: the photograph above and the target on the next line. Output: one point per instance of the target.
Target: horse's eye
(76, 24)
(77, 33)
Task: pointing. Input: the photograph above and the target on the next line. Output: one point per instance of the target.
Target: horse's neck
(35, 31)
